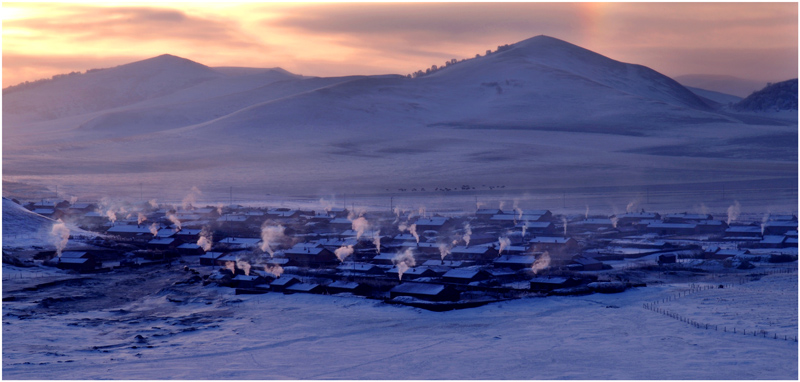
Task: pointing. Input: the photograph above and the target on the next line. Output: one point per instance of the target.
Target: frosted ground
(185, 330)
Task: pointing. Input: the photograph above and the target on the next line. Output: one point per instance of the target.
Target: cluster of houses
(417, 256)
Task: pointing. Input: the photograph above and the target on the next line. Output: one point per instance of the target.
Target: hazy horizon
(754, 41)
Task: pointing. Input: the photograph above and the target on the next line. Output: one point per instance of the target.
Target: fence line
(653, 306)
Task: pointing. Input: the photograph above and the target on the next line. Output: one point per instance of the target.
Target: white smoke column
(403, 261)
(519, 213)
(360, 225)
(467, 233)
(191, 199)
(631, 207)
(502, 204)
(111, 215)
(504, 243)
(152, 203)
(219, 208)
(564, 220)
(276, 270)
(243, 265)
(356, 213)
(422, 211)
(478, 205)
(141, 218)
(154, 229)
(326, 205)
(231, 265)
(174, 219)
(703, 209)
(764, 223)
(205, 243)
(397, 211)
(376, 239)
(734, 211)
(270, 234)
(413, 230)
(524, 228)
(444, 250)
(343, 252)
(587, 211)
(60, 235)
(614, 220)
(73, 199)
(542, 262)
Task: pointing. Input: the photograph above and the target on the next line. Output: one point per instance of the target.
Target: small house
(515, 262)
(411, 273)
(479, 254)
(281, 283)
(305, 288)
(341, 286)
(248, 281)
(465, 276)
(546, 284)
(422, 291)
(209, 258)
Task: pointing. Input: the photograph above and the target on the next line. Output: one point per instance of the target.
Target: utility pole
(141, 193)
(391, 204)
(231, 195)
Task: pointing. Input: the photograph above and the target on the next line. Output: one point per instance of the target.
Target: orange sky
(747, 40)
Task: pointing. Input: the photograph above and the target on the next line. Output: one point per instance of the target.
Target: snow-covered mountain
(774, 97)
(527, 111)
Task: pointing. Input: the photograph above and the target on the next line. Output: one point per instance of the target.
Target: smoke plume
(376, 239)
(174, 219)
(614, 220)
(504, 243)
(403, 261)
(343, 252)
(73, 200)
(524, 228)
(734, 211)
(631, 207)
(360, 225)
(444, 250)
(422, 211)
(467, 233)
(564, 221)
(413, 230)
(244, 266)
(764, 223)
(219, 208)
(478, 205)
(60, 236)
(502, 204)
(152, 203)
(587, 211)
(270, 234)
(141, 218)
(191, 199)
(231, 266)
(519, 213)
(205, 241)
(276, 270)
(111, 215)
(541, 263)
(326, 205)
(154, 229)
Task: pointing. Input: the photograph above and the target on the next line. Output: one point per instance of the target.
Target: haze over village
(400, 191)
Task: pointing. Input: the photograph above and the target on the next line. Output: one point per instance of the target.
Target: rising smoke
(174, 220)
(376, 239)
(343, 252)
(467, 234)
(141, 218)
(191, 198)
(444, 250)
(504, 243)
(403, 261)
(205, 240)
(541, 263)
(60, 236)
(270, 234)
(734, 211)
(360, 225)
(154, 229)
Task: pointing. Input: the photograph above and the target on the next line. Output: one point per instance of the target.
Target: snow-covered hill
(538, 113)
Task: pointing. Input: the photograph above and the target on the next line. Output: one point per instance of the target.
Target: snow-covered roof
(305, 251)
(443, 263)
(472, 249)
(548, 280)
(686, 216)
(488, 211)
(515, 259)
(341, 284)
(462, 273)
(283, 280)
(341, 221)
(246, 277)
(432, 221)
(162, 241)
(638, 215)
(419, 288)
(773, 239)
(515, 217)
(73, 260)
(241, 241)
(743, 229)
(595, 222)
(128, 228)
(188, 246)
(211, 255)
(529, 224)
(73, 254)
(232, 218)
(672, 225)
(302, 287)
(418, 271)
(356, 267)
(550, 240)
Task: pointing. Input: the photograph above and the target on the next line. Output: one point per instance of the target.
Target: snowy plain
(276, 336)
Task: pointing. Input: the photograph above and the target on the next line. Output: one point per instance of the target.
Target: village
(411, 256)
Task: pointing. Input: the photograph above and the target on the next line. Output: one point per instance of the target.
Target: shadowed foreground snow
(276, 336)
